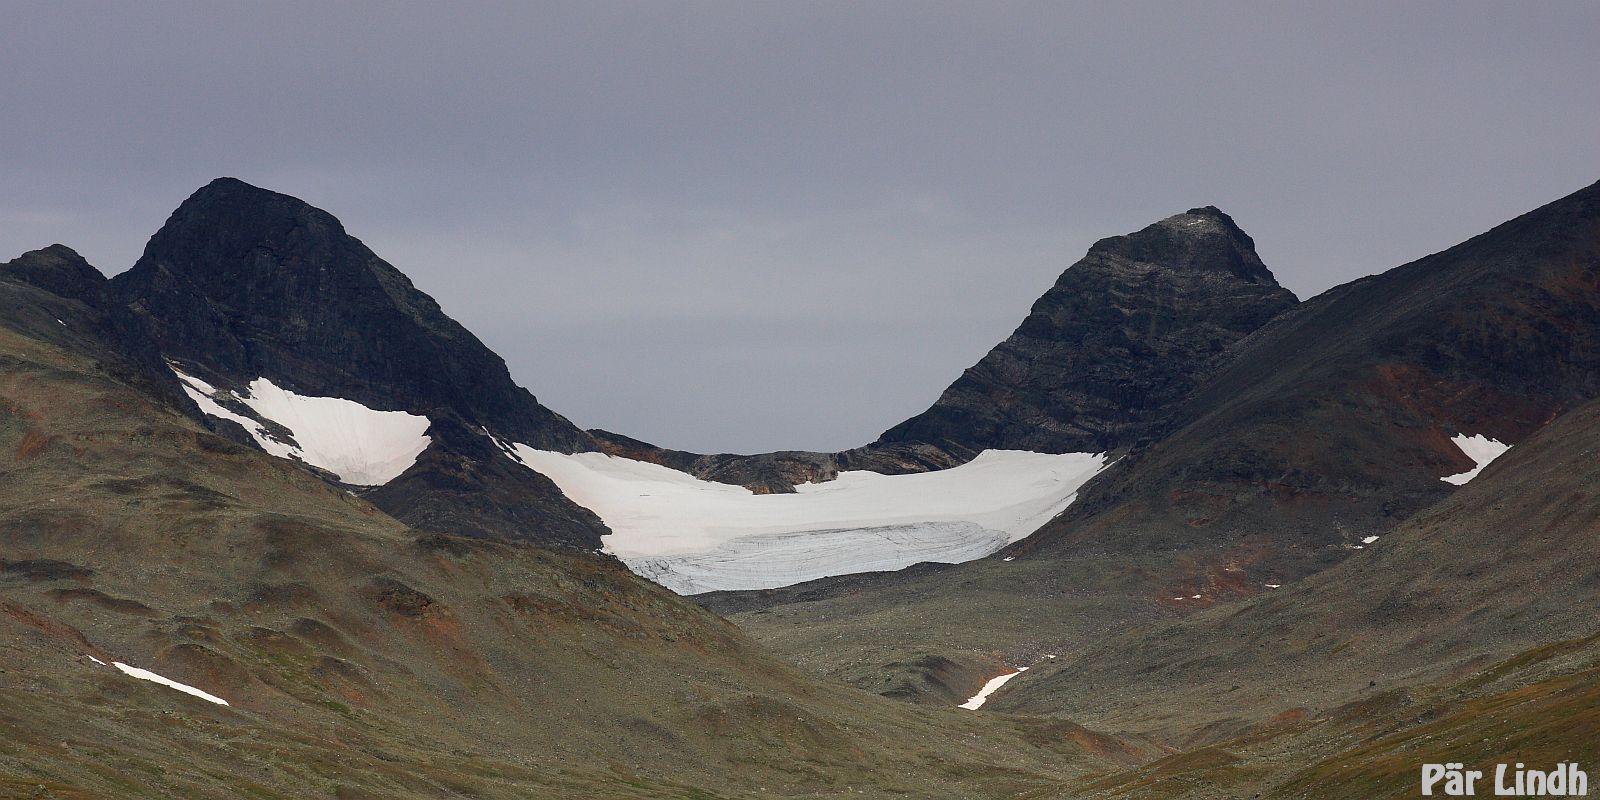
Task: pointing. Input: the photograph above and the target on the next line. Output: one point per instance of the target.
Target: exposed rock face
(244, 283)
(780, 472)
(464, 485)
(1107, 352)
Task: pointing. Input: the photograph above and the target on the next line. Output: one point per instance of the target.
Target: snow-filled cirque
(1482, 450)
(360, 445)
(692, 535)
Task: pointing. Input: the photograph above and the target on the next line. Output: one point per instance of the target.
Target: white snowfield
(362, 446)
(976, 701)
(1482, 450)
(147, 675)
(693, 536)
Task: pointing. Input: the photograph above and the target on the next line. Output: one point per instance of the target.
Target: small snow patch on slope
(976, 701)
(360, 445)
(147, 675)
(1482, 450)
(693, 535)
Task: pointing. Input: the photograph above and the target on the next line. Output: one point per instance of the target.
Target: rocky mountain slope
(1466, 634)
(1444, 593)
(360, 658)
(1336, 421)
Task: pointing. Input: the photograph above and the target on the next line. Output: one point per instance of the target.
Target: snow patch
(976, 701)
(360, 445)
(1369, 540)
(1481, 449)
(147, 675)
(692, 535)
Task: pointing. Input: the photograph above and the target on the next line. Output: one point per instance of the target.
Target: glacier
(694, 536)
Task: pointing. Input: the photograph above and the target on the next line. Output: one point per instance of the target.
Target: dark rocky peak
(1106, 353)
(57, 269)
(1199, 240)
(242, 282)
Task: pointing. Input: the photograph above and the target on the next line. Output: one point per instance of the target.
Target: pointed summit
(1106, 352)
(1200, 239)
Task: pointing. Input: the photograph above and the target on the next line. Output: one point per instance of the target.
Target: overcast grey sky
(749, 226)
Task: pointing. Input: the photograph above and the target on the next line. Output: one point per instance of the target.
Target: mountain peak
(1200, 240)
(244, 284)
(57, 269)
(1103, 355)
(233, 189)
(248, 283)
(231, 218)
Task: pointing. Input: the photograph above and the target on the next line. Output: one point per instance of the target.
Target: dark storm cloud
(760, 225)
